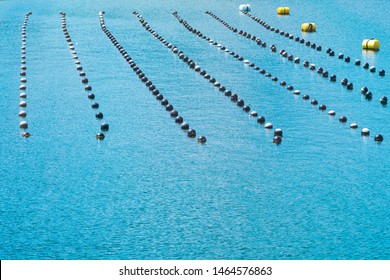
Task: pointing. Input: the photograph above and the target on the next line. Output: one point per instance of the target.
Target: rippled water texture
(147, 191)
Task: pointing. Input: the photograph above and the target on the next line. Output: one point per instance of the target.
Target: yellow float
(283, 11)
(371, 44)
(309, 27)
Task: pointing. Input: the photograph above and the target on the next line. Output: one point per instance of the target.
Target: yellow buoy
(283, 11)
(309, 27)
(371, 44)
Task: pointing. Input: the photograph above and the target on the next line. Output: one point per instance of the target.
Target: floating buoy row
(104, 127)
(314, 102)
(368, 44)
(191, 133)
(23, 68)
(283, 10)
(192, 65)
(321, 71)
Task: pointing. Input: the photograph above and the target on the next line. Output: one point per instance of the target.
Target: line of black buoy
(104, 127)
(306, 64)
(191, 133)
(312, 45)
(192, 65)
(23, 80)
(314, 102)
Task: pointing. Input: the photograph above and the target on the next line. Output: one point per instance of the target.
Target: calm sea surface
(148, 191)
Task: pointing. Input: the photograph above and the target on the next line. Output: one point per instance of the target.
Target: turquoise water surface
(147, 191)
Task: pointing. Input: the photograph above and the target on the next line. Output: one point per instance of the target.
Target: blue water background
(149, 192)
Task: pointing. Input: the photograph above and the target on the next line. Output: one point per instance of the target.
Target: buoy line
(104, 127)
(192, 65)
(191, 133)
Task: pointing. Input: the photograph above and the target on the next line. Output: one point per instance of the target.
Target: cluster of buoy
(367, 44)
(191, 133)
(306, 64)
(23, 104)
(192, 65)
(321, 71)
(104, 127)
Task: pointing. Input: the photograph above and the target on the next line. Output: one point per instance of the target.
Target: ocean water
(148, 191)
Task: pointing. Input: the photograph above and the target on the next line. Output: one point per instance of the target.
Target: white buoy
(23, 124)
(331, 113)
(268, 125)
(245, 7)
(246, 61)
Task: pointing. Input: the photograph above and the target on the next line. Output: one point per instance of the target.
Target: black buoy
(185, 126)
(383, 100)
(306, 97)
(314, 102)
(277, 140)
(191, 133)
(95, 105)
(322, 107)
(104, 126)
(378, 138)
(100, 136)
(343, 119)
(202, 139)
(99, 115)
(240, 103)
(174, 113)
(178, 119)
(246, 108)
(261, 120)
(381, 72)
(91, 96)
(278, 132)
